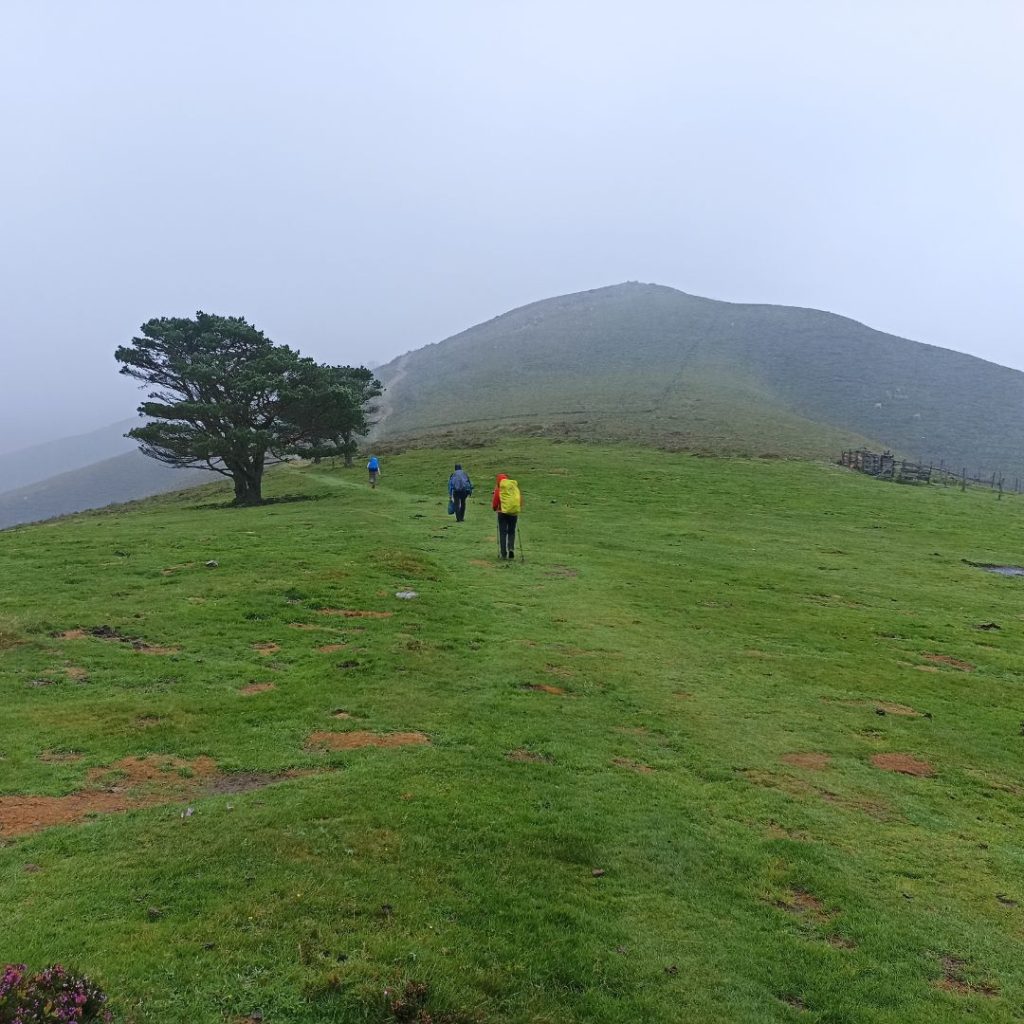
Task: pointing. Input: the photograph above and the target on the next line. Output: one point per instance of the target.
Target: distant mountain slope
(648, 362)
(122, 478)
(29, 465)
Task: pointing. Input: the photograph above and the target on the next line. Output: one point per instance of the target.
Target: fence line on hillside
(885, 466)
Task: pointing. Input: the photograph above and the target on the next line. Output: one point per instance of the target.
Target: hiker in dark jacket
(460, 487)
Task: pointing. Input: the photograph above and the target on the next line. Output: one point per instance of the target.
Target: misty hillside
(30, 465)
(647, 362)
(122, 478)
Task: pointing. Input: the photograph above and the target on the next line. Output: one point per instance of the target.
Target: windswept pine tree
(228, 399)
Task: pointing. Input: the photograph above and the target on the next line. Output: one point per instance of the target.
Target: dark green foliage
(649, 363)
(330, 407)
(228, 399)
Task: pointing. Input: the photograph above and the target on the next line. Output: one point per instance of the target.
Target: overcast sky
(363, 178)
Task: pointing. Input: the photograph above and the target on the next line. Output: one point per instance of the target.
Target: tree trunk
(348, 460)
(248, 485)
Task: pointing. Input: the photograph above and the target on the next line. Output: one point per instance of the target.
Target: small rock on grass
(406, 595)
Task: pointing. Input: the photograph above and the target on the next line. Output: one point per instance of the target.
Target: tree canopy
(228, 399)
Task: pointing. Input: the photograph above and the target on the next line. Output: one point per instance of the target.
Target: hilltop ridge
(650, 363)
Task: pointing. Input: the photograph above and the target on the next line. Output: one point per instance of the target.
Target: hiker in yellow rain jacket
(508, 503)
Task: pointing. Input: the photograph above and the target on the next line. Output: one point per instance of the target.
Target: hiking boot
(511, 554)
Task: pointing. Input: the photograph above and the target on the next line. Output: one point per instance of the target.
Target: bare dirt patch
(631, 765)
(308, 626)
(59, 756)
(331, 648)
(802, 903)
(350, 613)
(257, 688)
(905, 764)
(556, 691)
(115, 636)
(798, 787)
(949, 662)
(76, 674)
(816, 762)
(562, 572)
(148, 721)
(341, 713)
(355, 740)
(128, 784)
(901, 710)
(266, 649)
(953, 980)
(522, 756)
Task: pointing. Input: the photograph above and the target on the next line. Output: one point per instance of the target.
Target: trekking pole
(522, 550)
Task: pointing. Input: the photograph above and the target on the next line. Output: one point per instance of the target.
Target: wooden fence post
(963, 480)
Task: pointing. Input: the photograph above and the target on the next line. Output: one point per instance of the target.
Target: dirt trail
(385, 407)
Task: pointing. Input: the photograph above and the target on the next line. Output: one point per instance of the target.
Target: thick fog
(360, 179)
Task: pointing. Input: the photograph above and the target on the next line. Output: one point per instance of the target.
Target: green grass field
(649, 792)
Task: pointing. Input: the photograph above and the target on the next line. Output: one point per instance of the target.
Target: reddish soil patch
(556, 691)
(633, 766)
(339, 713)
(266, 649)
(76, 674)
(59, 756)
(129, 784)
(949, 662)
(527, 757)
(841, 942)
(952, 980)
(904, 764)
(115, 636)
(814, 761)
(354, 740)
(331, 648)
(349, 613)
(257, 688)
(898, 709)
(803, 904)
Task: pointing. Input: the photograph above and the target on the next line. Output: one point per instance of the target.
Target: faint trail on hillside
(386, 406)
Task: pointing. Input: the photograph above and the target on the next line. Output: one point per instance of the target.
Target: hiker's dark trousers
(507, 533)
(459, 497)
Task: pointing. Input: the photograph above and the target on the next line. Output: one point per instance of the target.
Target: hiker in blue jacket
(374, 469)
(460, 487)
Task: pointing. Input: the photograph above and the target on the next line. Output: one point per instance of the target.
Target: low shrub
(54, 995)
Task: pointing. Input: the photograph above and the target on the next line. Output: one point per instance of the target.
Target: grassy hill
(31, 465)
(739, 742)
(121, 478)
(649, 363)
